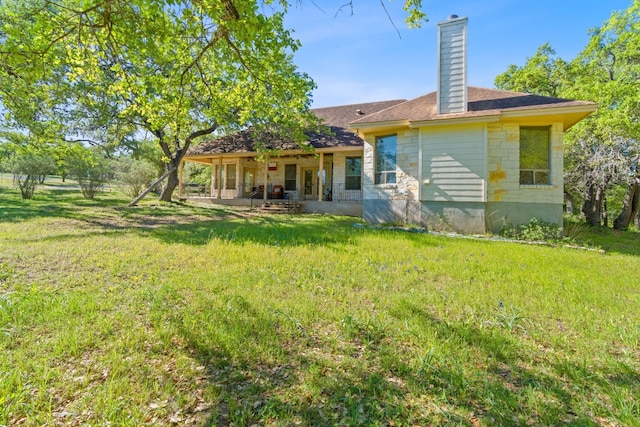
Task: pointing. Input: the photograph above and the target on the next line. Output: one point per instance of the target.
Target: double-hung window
(353, 173)
(290, 177)
(535, 156)
(386, 152)
(229, 174)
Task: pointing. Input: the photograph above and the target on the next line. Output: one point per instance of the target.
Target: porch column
(219, 180)
(180, 172)
(214, 181)
(320, 172)
(266, 179)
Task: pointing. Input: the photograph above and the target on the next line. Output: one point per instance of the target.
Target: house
(460, 158)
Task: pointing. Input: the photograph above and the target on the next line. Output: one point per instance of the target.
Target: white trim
(549, 111)
(456, 120)
(356, 126)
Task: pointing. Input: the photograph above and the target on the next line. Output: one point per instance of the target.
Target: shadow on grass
(277, 230)
(49, 204)
(499, 394)
(176, 223)
(268, 372)
(623, 242)
(265, 370)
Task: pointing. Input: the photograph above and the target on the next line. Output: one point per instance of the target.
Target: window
(386, 149)
(289, 177)
(534, 156)
(229, 173)
(353, 173)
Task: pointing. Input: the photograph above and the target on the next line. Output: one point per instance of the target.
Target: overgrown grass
(186, 315)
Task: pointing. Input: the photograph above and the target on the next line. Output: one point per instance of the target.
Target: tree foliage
(603, 151)
(177, 69)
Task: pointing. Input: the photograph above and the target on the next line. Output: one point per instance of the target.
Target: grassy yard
(185, 315)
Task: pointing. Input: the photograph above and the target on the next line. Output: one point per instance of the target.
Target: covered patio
(324, 177)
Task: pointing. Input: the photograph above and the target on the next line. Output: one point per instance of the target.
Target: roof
(336, 118)
(342, 115)
(481, 102)
(343, 119)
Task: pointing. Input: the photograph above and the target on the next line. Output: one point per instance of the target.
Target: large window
(290, 177)
(229, 174)
(386, 150)
(535, 156)
(353, 173)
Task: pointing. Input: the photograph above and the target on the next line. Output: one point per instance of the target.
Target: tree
(90, 169)
(178, 70)
(29, 161)
(28, 168)
(601, 151)
(543, 74)
(610, 73)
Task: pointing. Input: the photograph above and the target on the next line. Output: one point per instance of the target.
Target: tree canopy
(105, 72)
(178, 69)
(604, 149)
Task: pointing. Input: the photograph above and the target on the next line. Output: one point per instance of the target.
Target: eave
(458, 120)
(206, 158)
(568, 116)
(379, 126)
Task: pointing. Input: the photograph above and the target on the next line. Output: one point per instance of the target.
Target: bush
(90, 170)
(535, 230)
(28, 170)
(134, 176)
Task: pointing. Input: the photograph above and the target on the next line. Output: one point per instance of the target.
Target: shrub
(29, 170)
(134, 176)
(535, 230)
(90, 170)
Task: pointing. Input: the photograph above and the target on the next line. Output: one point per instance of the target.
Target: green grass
(185, 315)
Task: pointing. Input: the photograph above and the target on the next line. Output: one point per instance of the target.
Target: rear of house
(460, 158)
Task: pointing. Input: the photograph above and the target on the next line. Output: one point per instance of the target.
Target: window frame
(387, 175)
(535, 176)
(229, 179)
(288, 181)
(348, 183)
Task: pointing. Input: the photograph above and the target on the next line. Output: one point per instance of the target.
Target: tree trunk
(569, 207)
(592, 206)
(151, 187)
(172, 181)
(630, 206)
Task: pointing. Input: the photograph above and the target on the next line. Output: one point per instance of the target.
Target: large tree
(178, 70)
(602, 150)
(104, 71)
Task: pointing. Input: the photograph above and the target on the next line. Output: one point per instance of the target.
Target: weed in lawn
(509, 319)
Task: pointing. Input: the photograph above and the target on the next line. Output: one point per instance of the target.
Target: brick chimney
(452, 65)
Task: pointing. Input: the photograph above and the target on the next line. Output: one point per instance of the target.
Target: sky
(362, 57)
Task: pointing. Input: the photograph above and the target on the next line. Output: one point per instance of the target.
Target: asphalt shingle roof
(480, 102)
(336, 118)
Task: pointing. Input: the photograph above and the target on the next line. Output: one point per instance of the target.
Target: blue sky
(361, 58)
